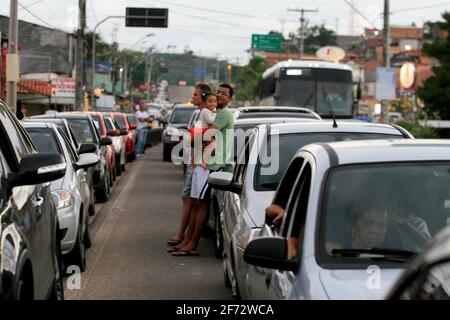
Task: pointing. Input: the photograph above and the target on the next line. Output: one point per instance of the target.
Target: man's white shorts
(200, 188)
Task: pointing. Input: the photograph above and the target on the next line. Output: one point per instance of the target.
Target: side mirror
(86, 160)
(269, 253)
(123, 132)
(224, 181)
(114, 133)
(39, 168)
(106, 141)
(87, 148)
(133, 127)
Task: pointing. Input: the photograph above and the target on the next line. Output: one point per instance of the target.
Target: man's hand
(275, 213)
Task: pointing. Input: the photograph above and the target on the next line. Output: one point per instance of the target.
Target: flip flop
(173, 242)
(173, 249)
(184, 253)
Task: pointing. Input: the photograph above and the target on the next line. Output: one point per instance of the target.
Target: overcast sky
(223, 28)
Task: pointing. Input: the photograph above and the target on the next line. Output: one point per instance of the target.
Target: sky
(222, 28)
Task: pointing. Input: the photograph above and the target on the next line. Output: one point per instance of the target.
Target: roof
(396, 150)
(64, 115)
(307, 64)
(327, 126)
(183, 106)
(35, 86)
(279, 109)
(258, 121)
(35, 124)
(54, 120)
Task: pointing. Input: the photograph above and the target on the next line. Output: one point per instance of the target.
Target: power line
(420, 8)
(359, 12)
(31, 13)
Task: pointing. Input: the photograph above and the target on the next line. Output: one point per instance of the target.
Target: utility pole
(114, 62)
(12, 58)
(217, 68)
(302, 26)
(79, 89)
(386, 58)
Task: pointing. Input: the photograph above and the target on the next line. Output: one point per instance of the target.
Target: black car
(84, 128)
(30, 251)
(179, 119)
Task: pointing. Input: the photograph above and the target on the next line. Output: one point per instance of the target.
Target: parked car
(121, 120)
(118, 138)
(243, 129)
(110, 149)
(256, 177)
(84, 127)
(30, 251)
(354, 211)
(132, 125)
(428, 275)
(80, 148)
(71, 193)
(171, 136)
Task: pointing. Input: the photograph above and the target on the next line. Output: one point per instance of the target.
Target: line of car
(53, 169)
(395, 171)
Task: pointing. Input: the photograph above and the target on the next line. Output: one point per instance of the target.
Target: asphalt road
(128, 259)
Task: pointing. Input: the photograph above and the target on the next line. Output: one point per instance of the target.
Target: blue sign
(199, 72)
(100, 66)
(385, 85)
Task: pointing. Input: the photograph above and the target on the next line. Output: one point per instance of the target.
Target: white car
(71, 193)
(356, 213)
(250, 190)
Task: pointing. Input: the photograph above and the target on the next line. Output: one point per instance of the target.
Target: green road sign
(267, 42)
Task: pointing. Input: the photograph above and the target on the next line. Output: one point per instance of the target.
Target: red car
(121, 120)
(111, 152)
(131, 118)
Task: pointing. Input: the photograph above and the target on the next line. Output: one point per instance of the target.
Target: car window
(3, 191)
(108, 125)
(120, 121)
(83, 130)
(14, 134)
(281, 150)
(243, 160)
(69, 147)
(45, 140)
(398, 207)
(181, 115)
(131, 119)
(96, 120)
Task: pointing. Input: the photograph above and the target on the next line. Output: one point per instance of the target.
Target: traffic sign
(147, 17)
(199, 72)
(267, 42)
(385, 84)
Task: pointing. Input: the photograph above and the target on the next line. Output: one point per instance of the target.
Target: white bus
(321, 86)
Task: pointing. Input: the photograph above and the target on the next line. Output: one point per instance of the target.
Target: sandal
(173, 242)
(172, 249)
(184, 253)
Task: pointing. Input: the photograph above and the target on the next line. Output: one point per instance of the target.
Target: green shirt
(224, 141)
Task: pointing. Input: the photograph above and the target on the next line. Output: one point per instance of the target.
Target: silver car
(70, 193)
(250, 190)
(355, 214)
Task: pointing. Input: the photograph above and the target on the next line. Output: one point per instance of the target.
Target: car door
(292, 194)
(34, 209)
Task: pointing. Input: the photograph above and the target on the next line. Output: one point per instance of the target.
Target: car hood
(358, 284)
(257, 205)
(57, 184)
(178, 125)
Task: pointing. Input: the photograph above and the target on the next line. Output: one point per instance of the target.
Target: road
(128, 259)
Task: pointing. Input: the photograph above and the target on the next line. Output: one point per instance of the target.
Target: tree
(102, 49)
(436, 89)
(317, 37)
(249, 79)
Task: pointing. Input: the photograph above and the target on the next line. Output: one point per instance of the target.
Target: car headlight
(171, 131)
(62, 198)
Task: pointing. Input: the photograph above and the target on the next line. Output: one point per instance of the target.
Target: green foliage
(249, 79)
(102, 49)
(419, 131)
(317, 37)
(436, 90)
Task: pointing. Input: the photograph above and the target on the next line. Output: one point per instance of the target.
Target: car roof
(40, 125)
(283, 111)
(383, 150)
(49, 120)
(270, 120)
(64, 115)
(342, 126)
(183, 106)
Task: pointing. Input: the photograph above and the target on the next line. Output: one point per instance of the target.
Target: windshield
(131, 119)
(285, 147)
(96, 120)
(120, 121)
(83, 130)
(108, 125)
(298, 93)
(181, 115)
(376, 211)
(335, 96)
(44, 140)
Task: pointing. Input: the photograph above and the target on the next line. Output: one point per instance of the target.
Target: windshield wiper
(375, 253)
